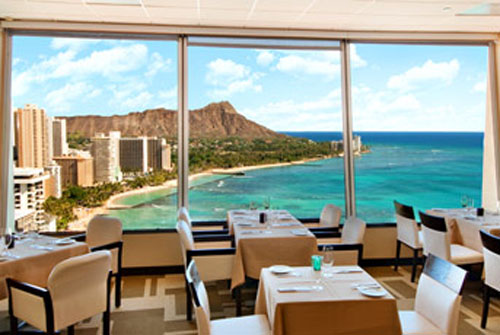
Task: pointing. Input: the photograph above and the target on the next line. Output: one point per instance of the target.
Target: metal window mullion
(7, 163)
(493, 74)
(182, 125)
(345, 65)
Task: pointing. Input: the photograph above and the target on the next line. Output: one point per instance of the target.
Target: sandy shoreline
(85, 214)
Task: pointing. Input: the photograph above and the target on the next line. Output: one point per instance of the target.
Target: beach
(113, 203)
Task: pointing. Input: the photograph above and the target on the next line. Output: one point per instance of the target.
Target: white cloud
(317, 63)
(221, 71)
(229, 77)
(444, 72)
(138, 101)
(61, 100)
(75, 44)
(480, 87)
(264, 58)
(158, 64)
(309, 115)
(109, 63)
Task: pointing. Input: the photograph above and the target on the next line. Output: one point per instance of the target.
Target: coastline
(85, 214)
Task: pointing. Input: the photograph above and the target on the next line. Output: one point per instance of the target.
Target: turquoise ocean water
(423, 169)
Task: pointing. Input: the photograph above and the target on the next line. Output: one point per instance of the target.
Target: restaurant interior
(259, 271)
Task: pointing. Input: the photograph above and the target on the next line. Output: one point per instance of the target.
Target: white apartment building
(29, 195)
(106, 153)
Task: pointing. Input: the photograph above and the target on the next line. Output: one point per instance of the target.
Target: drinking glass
(252, 205)
(266, 203)
(464, 200)
(470, 204)
(327, 260)
(6, 239)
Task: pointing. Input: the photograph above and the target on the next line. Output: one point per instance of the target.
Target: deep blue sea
(421, 169)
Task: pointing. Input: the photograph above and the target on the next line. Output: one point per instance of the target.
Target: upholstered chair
(330, 216)
(106, 233)
(349, 249)
(437, 303)
(183, 215)
(214, 264)
(437, 241)
(247, 325)
(491, 252)
(77, 289)
(409, 234)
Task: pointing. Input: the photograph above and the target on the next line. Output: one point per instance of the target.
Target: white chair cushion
(408, 231)
(414, 323)
(463, 255)
(246, 325)
(353, 231)
(420, 239)
(29, 308)
(330, 216)
(214, 267)
(492, 269)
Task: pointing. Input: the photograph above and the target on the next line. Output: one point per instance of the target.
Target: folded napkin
(294, 289)
(41, 247)
(245, 224)
(366, 285)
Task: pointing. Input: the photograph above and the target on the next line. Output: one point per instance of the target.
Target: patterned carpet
(156, 305)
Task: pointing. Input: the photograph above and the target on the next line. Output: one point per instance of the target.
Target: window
(95, 131)
(421, 112)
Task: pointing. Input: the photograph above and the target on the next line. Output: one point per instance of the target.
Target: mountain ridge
(215, 120)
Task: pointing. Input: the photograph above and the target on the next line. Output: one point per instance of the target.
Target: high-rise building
(29, 195)
(106, 153)
(53, 185)
(76, 170)
(134, 154)
(60, 145)
(33, 136)
(158, 154)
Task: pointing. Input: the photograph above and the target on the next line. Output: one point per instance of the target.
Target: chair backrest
(439, 293)
(78, 287)
(436, 237)
(330, 216)
(103, 230)
(186, 238)
(353, 231)
(200, 299)
(491, 252)
(406, 225)
(183, 214)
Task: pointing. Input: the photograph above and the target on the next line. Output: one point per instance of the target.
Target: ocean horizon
(423, 169)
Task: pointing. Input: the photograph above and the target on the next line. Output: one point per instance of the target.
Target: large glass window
(265, 128)
(421, 112)
(95, 131)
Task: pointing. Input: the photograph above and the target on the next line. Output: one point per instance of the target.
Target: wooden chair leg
(71, 330)
(486, 303)
(414, 265)
(398, 253)
(118, 290)
(106, 323)
(237, 292)
(189, 303)
(13, 325)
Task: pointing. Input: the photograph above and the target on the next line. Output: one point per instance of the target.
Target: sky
(394, 87)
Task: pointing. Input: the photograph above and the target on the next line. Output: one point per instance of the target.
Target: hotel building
(106, 153)
(29, 195)
(60, 145)
(33, 136)
(76, 170)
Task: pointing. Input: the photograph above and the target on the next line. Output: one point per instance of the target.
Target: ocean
(422, 169)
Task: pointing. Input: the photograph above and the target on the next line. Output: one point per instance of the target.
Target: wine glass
(6, 239)
(464, 200)
(252, 205)
(327, 260)
(266, 203)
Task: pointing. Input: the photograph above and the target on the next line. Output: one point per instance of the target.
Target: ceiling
(339, 15)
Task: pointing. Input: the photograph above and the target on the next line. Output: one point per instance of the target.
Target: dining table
(338, 300)
(33, 258)
(282, 240)
(464, 225)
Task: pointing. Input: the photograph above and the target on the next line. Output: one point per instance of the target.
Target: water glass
(252, 205)
(327, 260)
(464, 201)
(470, 204)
